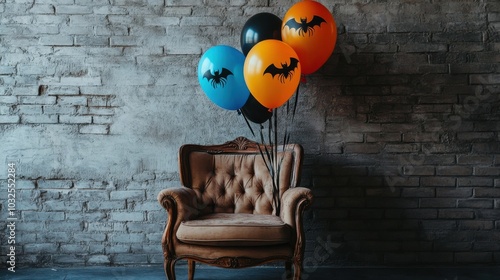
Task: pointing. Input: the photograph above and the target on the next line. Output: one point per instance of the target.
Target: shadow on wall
(409, 165)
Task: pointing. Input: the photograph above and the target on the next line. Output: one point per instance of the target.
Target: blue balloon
(220, 73)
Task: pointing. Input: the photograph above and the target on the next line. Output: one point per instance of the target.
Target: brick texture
(400, 127)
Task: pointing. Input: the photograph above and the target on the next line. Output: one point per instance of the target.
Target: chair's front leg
(170, 268)
(297, 264)
(191, 268)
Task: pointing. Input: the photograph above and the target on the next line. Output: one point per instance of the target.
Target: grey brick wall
(400, 127)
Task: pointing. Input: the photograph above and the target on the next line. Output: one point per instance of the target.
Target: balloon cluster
(275, 54)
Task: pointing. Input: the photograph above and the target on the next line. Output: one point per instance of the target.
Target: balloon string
(246, 120)
(296, 101)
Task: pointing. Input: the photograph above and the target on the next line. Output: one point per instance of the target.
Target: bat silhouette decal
(286, 71)
(217, 78)
(303, 26)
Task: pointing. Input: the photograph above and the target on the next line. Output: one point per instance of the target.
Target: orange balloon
(272, 72)
(309, 28)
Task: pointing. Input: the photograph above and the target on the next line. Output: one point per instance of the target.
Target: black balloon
(259, 27)
(255, 112)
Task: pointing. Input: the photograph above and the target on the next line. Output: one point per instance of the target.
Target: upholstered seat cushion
(226, 229)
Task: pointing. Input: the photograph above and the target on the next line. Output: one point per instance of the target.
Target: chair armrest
(293, 203)
(181, 205)
(180, 202)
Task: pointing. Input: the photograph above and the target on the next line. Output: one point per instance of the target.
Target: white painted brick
(8, 99)
(57, 205)
(110, 10)
(32, 90)
(25, 184)
(71, 119)
(72, 100)
(87, 216)
(87, 195)
(7, 70)
(132, 258)
(69, 259)
(94, 129)
(71, 226)
(98, 101)
(91, 40)
(72, 248)
(25, 19)
(99, 90)
(201, 21)
(184, 3)
(127, 216)
(144, 227)
(35, 70)
(29, 109)
(49, 19)
(5, 110)
(121, 41)
(90, 237)
(26, 79)
(100, 111)
(80, 81)
(102, 119)
(42, 29)
(106, 205)
(7, 81)
(162, 21)
(129, 75)
(99, 259)
(39, 119)
(118, 249)
(41, 100)
(82, 30)
(87, 20)
(64, 90)
(42, 9)
(73, 9)
(147, 205)
(111, 30)
(55, 184)
(85, 52)
(144, 176)
(92, 184)
(101, 226)
(36, 248)
(130, 195)
(42, 216)
(56, 40)
(58, 109)
(120, 20)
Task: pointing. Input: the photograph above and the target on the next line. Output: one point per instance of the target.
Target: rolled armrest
(180, 202)
(293, 203)
(181, 206)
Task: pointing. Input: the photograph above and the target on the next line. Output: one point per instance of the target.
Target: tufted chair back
(233, 177)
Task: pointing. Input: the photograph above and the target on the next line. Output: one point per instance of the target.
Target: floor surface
(259, 273)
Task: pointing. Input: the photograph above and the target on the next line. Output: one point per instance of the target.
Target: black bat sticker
(285, 72)
(217, 78)
(303, 26)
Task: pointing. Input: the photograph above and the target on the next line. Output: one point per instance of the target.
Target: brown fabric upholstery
(233, 183)
(224, 214)
(223, 229)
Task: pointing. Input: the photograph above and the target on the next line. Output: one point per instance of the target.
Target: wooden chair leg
(170, 268)
(288, 270)
(297, 267)
(191, 268)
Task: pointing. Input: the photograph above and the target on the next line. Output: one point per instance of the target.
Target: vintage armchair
(224, 215)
